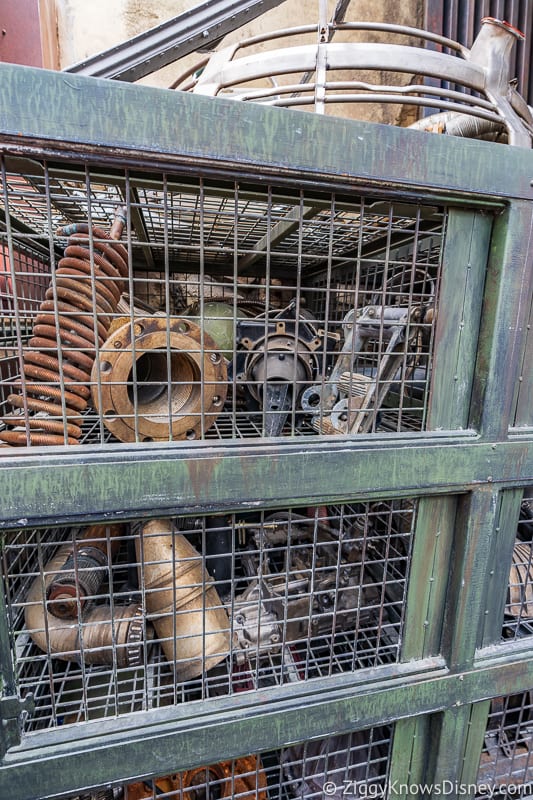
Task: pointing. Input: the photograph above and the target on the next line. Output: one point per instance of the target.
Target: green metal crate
(456, 453)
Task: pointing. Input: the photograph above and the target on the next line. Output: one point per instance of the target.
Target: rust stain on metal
(200, 474)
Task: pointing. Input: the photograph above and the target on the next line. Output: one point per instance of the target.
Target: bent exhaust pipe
(184, 607)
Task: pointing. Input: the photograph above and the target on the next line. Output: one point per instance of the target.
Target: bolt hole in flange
(170, 383)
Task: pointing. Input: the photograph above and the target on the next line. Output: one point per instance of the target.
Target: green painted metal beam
(56, 111)
(427, 591)
(506, 311)
(477, 519)
(176, 738)
(464, 263)
(500, 544)
(82, 484)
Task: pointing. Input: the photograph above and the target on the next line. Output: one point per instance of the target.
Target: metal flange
(176, 390)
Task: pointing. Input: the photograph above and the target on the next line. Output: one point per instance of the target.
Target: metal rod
(205, 24)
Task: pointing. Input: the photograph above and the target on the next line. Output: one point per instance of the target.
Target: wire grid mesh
(506, 759)
(225, 310)
(518, 615)
(113, 619)
(345, 762)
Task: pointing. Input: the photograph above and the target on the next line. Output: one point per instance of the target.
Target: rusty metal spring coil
(80, 314)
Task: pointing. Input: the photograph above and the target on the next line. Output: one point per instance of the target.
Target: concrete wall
(87, 28)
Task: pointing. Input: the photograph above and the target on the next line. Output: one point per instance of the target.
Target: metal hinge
(13, 710)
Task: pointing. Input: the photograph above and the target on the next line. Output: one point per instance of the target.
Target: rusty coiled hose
(76, 311)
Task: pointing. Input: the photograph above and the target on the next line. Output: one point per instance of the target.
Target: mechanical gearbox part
(188, 616)
(160, 379)
(520, 592)
(280, 355)
(315, 591)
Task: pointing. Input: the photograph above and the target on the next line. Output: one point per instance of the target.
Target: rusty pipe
(183, 605)
(180, 380)
(83, 572)
(99, 636)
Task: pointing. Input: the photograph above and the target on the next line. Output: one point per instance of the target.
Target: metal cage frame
(468, 470)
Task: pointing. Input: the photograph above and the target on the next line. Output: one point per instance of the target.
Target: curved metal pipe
(83, 572)
(100, 636)
(186, 611)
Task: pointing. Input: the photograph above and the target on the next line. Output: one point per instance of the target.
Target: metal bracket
(205, 24)
(12, 711)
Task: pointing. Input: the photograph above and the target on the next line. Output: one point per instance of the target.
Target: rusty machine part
(58, 363)
(244, 777)
(101, 635)
(349, 401)
(280, 353)
(83, 572)
(159, 379)
(315, 591)
(188, 616)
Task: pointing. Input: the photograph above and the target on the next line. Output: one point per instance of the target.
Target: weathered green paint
(60, 109)
(524, 403)
(81, 484)
(409, 757)
(180, 737)
(431, 702)
(426, 597)
(450, 743)
(504, 320)
(501, 549)
(464, 263)
(476, 733)
(476, 521)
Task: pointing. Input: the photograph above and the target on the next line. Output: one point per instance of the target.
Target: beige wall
(87, 28)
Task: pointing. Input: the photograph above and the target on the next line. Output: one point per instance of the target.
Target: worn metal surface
(120, 484)
(192, 30)
(485, 68)
(461, 19)
(196, 130)
(459, 471)
(336, 704)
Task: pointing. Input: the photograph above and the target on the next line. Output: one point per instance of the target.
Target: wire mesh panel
(346, 765)
(154, 309)
(112, 619)
(506, 759)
